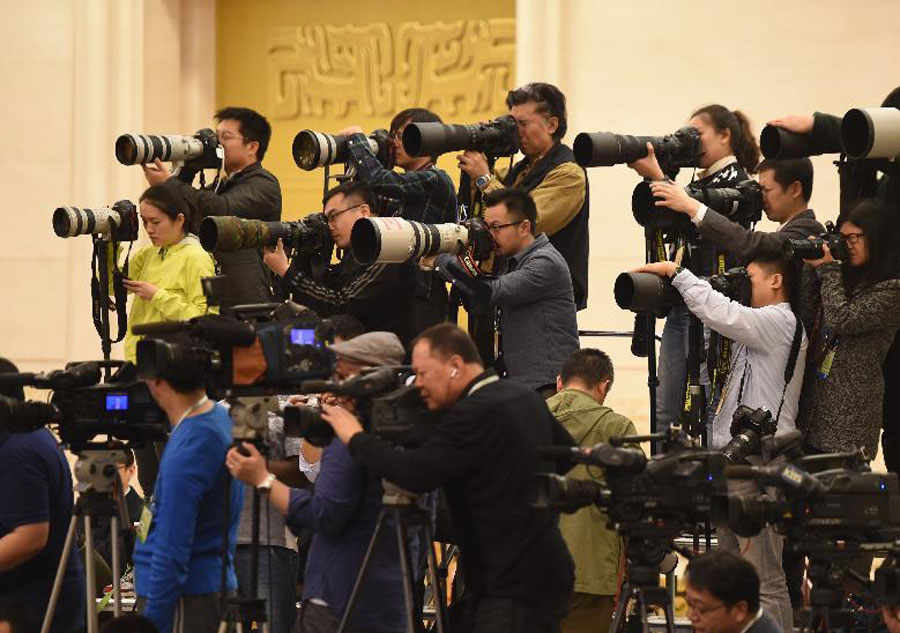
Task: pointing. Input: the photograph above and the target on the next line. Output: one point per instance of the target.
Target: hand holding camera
(276, 259)
(671, 196)
(648, 166)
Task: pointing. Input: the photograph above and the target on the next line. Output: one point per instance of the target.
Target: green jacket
(595, 548)
(176, 272)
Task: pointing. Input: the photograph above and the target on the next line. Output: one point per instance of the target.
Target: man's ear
(365, 210)
(552, 124)
(795, 190)
(559, 385)
(777, 281)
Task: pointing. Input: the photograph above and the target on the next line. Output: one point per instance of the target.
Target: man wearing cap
(341, 512)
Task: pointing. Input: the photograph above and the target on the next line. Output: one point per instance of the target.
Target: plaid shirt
(426, 195)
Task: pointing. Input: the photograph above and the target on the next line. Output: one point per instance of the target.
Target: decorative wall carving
(457, 68)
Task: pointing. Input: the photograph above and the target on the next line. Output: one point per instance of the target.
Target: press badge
(143, 528)
(825, 367)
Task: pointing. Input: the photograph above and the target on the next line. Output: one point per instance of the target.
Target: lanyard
(191, 409)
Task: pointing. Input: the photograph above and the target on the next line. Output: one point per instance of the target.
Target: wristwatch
(266, 484)
(482, 181)
(677, 270)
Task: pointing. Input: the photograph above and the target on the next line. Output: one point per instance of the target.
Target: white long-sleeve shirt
(763, 339)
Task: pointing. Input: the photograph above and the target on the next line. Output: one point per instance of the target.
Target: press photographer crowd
(382, 412)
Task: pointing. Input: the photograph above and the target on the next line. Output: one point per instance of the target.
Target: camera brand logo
(457, 68)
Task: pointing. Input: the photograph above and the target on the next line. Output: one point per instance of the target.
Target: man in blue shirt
(35, 510)
(178, 568)
(341, 511)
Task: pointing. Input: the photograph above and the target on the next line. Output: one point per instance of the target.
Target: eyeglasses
(493, 228)
(702, 611)
(853, 238)
(331, 218)
(227, 136)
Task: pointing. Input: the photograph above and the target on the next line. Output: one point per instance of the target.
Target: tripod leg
(621, 615)
(400, 531)
(91, 576)
(117, 566)
(437, 589)
(60, 574)
(361, 576)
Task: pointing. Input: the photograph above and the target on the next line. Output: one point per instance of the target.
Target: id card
(143, 528)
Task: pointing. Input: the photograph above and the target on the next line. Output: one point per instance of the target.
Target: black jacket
(252, 193)
(484, 454)
(379, 295)
(746, 244)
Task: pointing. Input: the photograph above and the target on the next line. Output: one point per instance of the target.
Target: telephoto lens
(119, 223)
(780, 144)
(604, 149)
(312, 149)
(645, 292)
(395, 240)
(138, 149)
(499, 137)
(229, 233)
(871, 132)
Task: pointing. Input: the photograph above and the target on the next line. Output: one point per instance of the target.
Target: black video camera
(386, 405)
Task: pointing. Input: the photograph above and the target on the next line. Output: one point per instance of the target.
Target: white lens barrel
(871, 132)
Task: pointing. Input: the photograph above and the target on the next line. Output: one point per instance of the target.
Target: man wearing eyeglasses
(422, 192)
(538, 329)
(379, 295)
(248, 191)
(722, 595)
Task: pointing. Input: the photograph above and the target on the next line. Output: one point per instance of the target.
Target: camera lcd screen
(303, 337)
(117, 402)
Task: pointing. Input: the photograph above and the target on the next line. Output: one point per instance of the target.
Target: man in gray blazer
(722, 595)
(787, 187)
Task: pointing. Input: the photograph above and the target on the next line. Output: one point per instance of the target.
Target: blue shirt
(342, 512)
(183, 551)
(36, 487)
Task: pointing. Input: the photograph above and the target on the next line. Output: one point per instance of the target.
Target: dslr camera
(604, 149)
(742, 203)
(748, 427)
(117, 223)
(200, 151)
(646, 292)
(496, 138)
(795, 249)
(393, 240)
(228, 233)
(313, 149)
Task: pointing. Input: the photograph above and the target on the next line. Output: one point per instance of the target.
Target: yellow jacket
(176, 271)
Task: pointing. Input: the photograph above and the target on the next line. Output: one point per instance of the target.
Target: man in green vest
(582, 387)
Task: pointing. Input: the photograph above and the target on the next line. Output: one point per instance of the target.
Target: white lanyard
(192, 408)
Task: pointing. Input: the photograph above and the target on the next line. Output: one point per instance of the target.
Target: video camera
(795, 249)
(264, 349)
(200, 151)
(496, 138)
(82, 407)
(646, 292)
(118, 223)
(742, 203)
(313, 149)
(307, 237)
(682, 148)
(393, 240)
(386, 405)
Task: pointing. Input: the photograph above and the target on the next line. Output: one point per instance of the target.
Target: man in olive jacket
(583, 383)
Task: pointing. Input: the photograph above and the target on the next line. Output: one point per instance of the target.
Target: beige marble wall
(76, 74)
(642, 68)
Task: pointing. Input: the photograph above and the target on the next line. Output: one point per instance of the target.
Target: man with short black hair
(178, 568)
(538, 328)
(722, 594)
(583, 383)
(483, 453)
(248, 191)
(548, 172)
(379, 295)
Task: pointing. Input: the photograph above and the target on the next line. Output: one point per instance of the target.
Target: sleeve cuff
(159, 296)
(701, 213)
(683, 278)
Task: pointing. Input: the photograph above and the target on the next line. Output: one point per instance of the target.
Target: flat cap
(374, 349)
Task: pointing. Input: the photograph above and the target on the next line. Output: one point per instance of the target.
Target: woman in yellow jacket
(165, 277)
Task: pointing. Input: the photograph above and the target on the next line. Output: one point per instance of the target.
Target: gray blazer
(766, 624)
(747, 243)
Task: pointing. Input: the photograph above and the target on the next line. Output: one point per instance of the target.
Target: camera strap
(120, 295)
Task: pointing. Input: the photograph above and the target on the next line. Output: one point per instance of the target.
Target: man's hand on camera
(251, 469)
(343, 422)
(663, 269)
(349, 130)
(798, 123)
(474, 164)
(648, 166)
(276, 259)
(157, 173)
(143, 289)
(674, 197)
(825, 259)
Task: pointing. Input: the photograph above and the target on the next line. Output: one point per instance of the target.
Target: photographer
(768, 339)
(165, 276)
(787, 188)
(484, 451)
(722, 595)
(341, 511)
(548, 172)
(36, 505)
(379, 295)
(538, 329)
(852, 311)
(584, 382)
(248, 191)
(178, 566)
(422, 193)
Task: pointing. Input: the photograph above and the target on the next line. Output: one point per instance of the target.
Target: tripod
(643, 589)
(403, 508)
(97, 475)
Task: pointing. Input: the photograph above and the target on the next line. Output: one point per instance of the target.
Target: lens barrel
(871, 133)
(643, 292)
(138, 149)
(395, 240)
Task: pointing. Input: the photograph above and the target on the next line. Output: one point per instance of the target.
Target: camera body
(496, 138)
(312, 149)
(748, 427)
(200, 151)
(646, 292)
(118, 223)
(681, 148)
(795, 249)
(225, 234)
(742, 203)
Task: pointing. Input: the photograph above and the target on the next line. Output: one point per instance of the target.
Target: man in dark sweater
(248, 191)
(483, 453)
